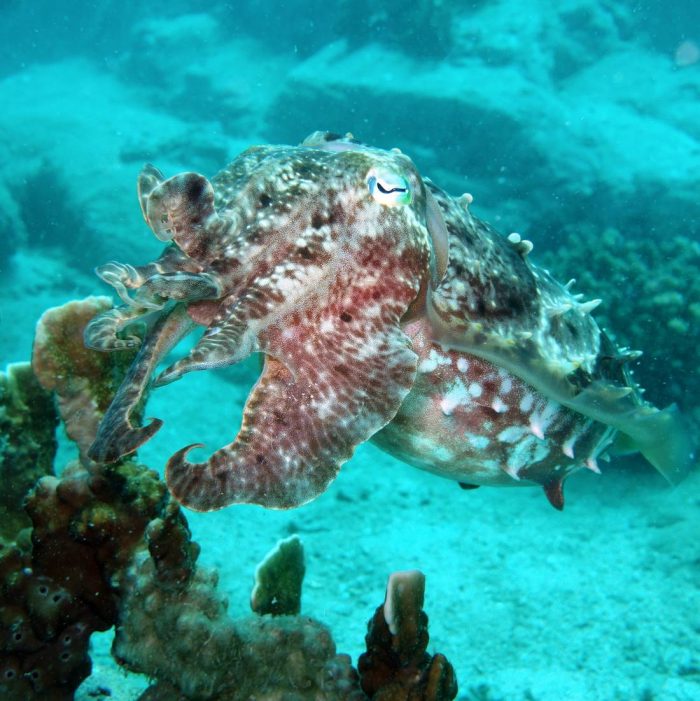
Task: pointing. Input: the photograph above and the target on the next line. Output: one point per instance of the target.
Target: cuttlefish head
(321, 251)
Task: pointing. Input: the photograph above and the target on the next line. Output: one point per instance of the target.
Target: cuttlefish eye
(389, 189)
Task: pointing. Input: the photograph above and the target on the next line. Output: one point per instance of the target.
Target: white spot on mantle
(456, 395)
(431, 363)
(512, 434)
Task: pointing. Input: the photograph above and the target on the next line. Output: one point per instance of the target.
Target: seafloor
(578, 127)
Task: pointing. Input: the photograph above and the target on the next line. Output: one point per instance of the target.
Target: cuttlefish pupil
(389, 189)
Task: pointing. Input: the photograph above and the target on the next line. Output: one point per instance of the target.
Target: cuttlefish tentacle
(350, 380)
(116, 435)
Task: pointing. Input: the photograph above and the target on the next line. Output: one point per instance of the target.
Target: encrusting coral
(107, 547)
(182, 637)
(84, 381)
(86, 527)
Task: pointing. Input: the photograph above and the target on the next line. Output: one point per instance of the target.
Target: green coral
(278, 579)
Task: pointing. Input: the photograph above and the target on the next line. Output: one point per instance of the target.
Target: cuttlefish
(383, 310)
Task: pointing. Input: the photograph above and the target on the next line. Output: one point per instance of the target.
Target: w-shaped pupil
(383, 190)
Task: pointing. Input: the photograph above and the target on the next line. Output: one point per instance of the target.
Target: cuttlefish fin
(661, 436)
(439, 240)
(116, 435)
(304, 417)
(664, 439)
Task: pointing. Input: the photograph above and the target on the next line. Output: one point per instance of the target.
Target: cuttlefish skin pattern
(383, 310)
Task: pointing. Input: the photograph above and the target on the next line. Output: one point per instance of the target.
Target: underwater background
(576, 125)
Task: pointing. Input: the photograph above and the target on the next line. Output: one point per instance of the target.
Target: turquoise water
(577, 127)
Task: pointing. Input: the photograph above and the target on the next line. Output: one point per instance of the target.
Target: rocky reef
(104, 546)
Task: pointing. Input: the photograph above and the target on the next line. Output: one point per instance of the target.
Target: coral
(84, 381)
(58, 580)
(183, 637)
(278, 579)
(106, 547)
(396, 666)
(651, 301)
(179, 634)
(86, 527)
(28, 423)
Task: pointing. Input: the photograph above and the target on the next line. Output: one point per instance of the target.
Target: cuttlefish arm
(128, 280)
(182, 209)
(106, 331)
(116, 435)
(235, 332)
(343, 377)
